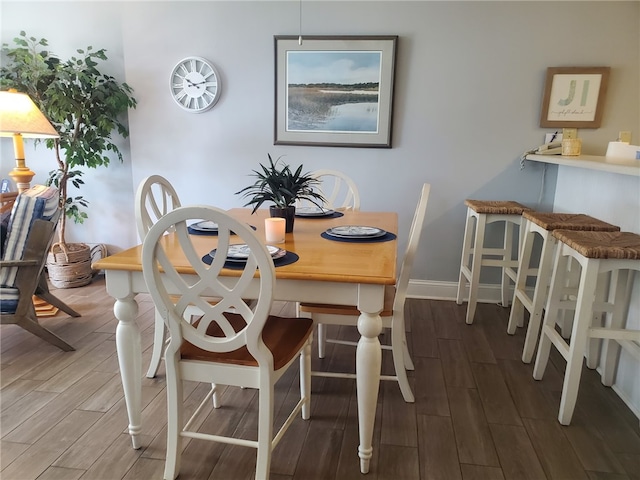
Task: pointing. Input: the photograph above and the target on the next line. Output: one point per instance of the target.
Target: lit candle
(274, 229)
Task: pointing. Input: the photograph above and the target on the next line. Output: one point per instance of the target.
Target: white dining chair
(248, 348)
(392, 313)
(341, 194)
(338, 189)
(155, 198)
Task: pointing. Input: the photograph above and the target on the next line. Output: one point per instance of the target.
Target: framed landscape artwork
(334, 90)
(574, 97)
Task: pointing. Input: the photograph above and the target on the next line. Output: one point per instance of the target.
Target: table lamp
(20, 117)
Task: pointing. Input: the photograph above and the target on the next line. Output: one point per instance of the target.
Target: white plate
(205, 226)
(313, 212)
(355, 231)
(240, 252)
(279, 254)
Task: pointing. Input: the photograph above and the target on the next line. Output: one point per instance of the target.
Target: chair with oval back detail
(339, 190)
(248, 347)
(155, 198)
(341, 194)
(393, 310)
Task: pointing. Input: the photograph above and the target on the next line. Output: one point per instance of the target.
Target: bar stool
(542, 224)
(597, 253)
(474, 253)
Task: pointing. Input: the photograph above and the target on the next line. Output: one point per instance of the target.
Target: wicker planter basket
(70, 268)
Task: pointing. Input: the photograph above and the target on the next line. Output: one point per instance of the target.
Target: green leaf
(280, 186)
(84, 105)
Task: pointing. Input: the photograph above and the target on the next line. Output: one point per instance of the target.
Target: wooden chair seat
(245, 348)
(392, 314)
(284, 337)
(350, 310)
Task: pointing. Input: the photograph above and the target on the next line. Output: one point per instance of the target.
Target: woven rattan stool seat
(599, 308)
(497, 207)
(475, 255)
(569, 221)
(621, 245)
(542, 225)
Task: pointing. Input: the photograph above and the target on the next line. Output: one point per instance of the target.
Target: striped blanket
(37, 202)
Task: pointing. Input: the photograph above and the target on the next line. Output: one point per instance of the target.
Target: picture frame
(334, 91)
(574, 97)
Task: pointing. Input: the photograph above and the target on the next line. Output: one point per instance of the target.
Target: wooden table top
(320, 259)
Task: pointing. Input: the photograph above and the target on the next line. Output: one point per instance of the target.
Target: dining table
(327, 270)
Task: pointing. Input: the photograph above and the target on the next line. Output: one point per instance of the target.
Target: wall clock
(195, 84)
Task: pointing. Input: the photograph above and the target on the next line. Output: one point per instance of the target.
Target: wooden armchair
(6, 201)
(31, 233)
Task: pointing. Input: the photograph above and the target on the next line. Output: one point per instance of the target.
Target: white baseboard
(437, 290)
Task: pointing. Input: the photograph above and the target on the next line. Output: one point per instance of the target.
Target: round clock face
(195, 84)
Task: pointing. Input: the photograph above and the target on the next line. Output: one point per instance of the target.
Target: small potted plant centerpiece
(283, 187)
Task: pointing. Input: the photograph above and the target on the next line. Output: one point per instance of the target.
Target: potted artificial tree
(86, 107)
(283, 187)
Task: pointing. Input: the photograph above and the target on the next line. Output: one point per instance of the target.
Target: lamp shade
(19, 114)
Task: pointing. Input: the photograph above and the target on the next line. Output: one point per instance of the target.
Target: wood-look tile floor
(478, 412)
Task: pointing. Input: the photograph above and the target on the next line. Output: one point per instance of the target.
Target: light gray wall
(469, 84)
(468, 88)
(69, 26)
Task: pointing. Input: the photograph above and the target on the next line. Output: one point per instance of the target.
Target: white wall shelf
(622, 166)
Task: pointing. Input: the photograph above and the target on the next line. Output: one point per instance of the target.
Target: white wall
(469, 84)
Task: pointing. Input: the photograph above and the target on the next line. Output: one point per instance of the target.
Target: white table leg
(130, 361)
(368, 365)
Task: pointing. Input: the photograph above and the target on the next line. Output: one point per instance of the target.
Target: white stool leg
(552, 309)
(604, 303)
(476, 266)
(620, 295)
(539, 296)
(571, 288)
(516, 316)
(508, 255)
(579, 337)
(467, 248)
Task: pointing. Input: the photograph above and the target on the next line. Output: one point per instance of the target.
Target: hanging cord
(542, 182)
(523, 157)
(300, 23)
